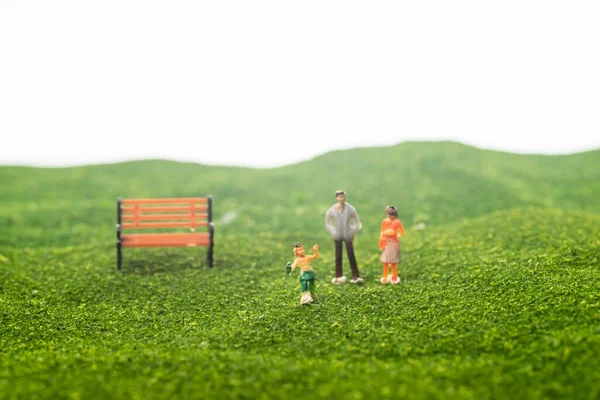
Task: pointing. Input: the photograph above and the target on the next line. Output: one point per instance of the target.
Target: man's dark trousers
(351, 258)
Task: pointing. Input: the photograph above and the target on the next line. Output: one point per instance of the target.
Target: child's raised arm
(316, 254)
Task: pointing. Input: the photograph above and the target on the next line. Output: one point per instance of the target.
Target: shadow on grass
(155, 261)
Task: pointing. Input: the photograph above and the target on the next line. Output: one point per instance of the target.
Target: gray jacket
(342, 225)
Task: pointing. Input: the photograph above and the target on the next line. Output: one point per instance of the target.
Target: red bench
(139, 214)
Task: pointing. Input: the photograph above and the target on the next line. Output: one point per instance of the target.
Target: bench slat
(163, 217)
(202, 200)
(163, 209)
(159, 225)
(165, 240)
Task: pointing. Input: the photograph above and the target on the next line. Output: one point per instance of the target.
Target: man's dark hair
(392, 210)
(298, 244)
(339, 193)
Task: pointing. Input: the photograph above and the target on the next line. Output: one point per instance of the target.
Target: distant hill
(430, 182)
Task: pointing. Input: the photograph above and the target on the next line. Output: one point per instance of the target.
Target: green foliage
(499, 297)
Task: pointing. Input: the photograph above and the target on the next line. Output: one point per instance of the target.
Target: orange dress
(390, 244)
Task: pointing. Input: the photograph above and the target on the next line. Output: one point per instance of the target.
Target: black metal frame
(211, 231)
(119, 250)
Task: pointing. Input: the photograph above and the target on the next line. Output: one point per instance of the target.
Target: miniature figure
(391, 231)
(307, 275)
(342, 223)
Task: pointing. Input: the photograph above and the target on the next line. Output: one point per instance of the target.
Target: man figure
(342, 222)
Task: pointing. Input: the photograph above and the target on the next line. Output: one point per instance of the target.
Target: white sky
(265, 83)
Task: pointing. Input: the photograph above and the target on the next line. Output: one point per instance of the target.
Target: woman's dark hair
(392, 210)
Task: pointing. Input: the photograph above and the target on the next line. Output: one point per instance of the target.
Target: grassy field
(500, 296)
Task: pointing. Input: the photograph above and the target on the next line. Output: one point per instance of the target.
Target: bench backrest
(189, 213)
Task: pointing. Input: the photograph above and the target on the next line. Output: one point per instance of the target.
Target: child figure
(307, 275)
(391, 230)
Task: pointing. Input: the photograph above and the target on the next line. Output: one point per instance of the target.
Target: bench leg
(210, 258)
(119, 256)
(119, 216)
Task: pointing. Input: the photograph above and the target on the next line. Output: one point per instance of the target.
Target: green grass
(500, 295)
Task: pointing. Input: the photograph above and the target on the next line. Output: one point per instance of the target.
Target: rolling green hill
(500, 295)
(435, 183)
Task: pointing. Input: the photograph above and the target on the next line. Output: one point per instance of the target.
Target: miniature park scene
(233, 295)
(299, 200)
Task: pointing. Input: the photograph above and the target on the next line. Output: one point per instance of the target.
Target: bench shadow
(161, 261)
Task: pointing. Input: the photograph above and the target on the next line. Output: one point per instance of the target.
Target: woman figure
(389, 242)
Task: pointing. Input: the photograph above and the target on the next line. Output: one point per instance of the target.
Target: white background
(266, 83)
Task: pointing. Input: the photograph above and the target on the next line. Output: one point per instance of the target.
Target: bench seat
(165, 239)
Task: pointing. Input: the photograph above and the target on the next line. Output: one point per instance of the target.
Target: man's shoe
(338, 281)
(358, 280)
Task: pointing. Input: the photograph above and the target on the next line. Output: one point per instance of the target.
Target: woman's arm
(400, 228)
(382, 236)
